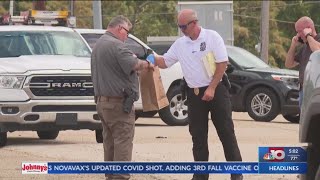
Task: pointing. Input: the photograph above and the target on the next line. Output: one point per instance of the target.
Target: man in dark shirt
(306, 35)
(114, 71)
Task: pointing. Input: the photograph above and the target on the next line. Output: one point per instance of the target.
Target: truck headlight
(292, 82)
(11, 82)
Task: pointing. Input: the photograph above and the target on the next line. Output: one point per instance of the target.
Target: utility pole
(11, 8)
(97, 20)
(71, 7)
(264, 31)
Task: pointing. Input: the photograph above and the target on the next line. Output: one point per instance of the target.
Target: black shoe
(236, 177)
(200, 177)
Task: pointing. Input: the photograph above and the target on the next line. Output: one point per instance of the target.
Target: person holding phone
(309, 39)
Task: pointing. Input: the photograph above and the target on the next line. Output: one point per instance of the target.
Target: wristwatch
(309, 34)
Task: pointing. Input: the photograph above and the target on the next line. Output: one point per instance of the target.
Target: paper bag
(152, 92)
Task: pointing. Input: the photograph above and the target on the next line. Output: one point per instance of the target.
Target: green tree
(247, 15)
(21, 6)
(4, 7)
(291, 13)
(84, 14)
(158, 18)
(149, 18)
(57, 5)
(246, 24)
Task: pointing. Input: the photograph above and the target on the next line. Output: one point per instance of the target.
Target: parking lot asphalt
(154, 142)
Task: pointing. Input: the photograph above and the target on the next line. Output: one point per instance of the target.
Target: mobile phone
(300, 40)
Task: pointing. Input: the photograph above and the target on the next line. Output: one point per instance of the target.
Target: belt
(108, 98)
(199, 90)
(203, 88)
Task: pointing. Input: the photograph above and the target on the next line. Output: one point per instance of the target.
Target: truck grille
(63, 108)
(61, 86)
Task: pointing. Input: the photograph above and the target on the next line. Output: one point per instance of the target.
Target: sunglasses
(125, 29)
(183, 27)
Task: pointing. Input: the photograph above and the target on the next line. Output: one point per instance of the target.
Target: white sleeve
(171, 57)
(219, 49)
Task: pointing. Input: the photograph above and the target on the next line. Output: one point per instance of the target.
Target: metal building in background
(215, 15)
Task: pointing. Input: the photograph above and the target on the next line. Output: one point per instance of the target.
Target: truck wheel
(294, 118)
(99, 137)
(262, 104)
(3, 139)
(48, 134)
(313, 156)
(176, 114)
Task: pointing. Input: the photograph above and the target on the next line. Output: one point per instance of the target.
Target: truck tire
(3, 139)
(99, 137)
(48, 134)
(176, 114)
(294, 118)
(262, 104)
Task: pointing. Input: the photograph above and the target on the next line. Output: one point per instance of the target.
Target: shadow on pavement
(273, 122)
(144, 125)
(18, 141)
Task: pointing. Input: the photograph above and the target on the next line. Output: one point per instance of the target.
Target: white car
(176, 112)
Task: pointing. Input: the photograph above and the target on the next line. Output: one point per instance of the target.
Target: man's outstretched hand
(150, 66)
(151, 58)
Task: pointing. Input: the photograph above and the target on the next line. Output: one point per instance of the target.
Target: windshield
(245, 59)
(17, 43)
(91, 38)
(160, 48)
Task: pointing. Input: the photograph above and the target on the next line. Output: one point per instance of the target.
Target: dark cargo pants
(221, 115)
(118, 132)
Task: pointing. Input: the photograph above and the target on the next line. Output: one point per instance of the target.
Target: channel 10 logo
(274, 154)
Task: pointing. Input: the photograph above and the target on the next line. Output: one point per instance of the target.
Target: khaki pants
(118, 132)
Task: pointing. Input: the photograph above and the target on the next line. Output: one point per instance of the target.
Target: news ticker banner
(272, 160)
(164, 168)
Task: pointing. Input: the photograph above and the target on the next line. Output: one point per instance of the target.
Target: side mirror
(230, 69)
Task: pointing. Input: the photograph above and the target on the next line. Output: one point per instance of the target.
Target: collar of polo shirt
(201, 37)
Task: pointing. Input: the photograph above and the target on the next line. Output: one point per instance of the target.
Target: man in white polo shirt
(206, 93)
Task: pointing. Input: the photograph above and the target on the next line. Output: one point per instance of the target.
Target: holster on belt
(183, 89)
(225, 81)
(129, 98)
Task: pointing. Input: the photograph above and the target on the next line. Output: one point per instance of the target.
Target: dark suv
(256, 88)
(260, 90)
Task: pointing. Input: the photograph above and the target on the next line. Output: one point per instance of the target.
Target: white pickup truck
(45, 83)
